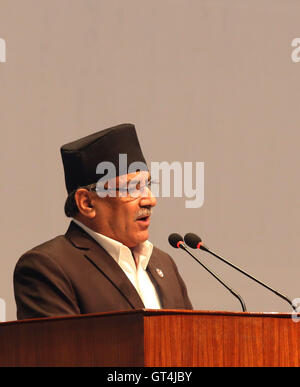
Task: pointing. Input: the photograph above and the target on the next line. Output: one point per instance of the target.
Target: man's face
(126, 217)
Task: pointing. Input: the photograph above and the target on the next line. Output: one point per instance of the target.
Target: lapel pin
(160, 273)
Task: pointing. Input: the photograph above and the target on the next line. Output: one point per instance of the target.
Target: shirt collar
(116, 249)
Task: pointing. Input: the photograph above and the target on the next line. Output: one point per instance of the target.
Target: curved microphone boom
(195, 242)
(177, 242)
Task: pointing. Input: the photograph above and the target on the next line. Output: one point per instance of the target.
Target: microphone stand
(235, 294)
(251, 277)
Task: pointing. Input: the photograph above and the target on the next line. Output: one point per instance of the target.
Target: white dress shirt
(134, 269)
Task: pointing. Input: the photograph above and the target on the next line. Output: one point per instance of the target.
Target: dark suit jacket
(73, 274)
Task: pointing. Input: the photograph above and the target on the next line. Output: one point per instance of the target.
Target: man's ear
(84, 202)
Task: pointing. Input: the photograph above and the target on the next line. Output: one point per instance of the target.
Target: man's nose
(147, 198)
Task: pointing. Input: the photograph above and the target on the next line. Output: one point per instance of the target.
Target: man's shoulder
(52, 244)
(57, 248)
(53, 248)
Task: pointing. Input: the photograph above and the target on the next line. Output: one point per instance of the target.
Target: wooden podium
(161, 338)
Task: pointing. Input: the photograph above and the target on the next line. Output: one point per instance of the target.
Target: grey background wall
(203, 80)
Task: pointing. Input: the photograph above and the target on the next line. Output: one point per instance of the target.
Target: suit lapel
(158, 278)
(97, 256)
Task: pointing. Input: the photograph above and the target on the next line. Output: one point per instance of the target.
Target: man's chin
(138, 239)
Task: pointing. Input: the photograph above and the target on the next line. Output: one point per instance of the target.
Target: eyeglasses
(134, 188)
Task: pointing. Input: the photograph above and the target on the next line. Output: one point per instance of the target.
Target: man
(104, 262)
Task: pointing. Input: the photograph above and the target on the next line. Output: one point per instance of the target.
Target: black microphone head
(192, 240)
(174, 239)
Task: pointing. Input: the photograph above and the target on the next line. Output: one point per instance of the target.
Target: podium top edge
(154, 312)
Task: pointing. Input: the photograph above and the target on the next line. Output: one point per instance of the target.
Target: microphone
(177, 242)
(195, 242)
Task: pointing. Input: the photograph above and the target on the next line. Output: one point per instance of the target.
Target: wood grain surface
(153, 338)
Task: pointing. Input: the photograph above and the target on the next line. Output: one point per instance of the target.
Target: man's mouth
(144, 218)
(143, 214)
